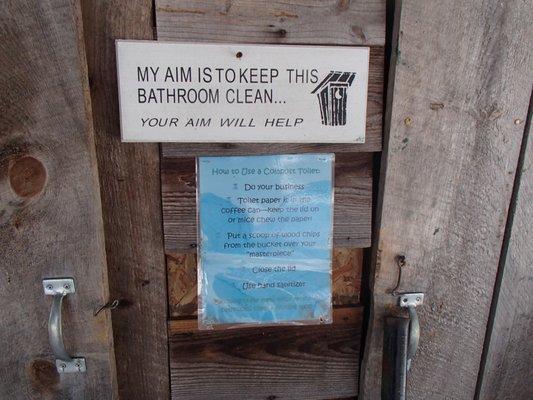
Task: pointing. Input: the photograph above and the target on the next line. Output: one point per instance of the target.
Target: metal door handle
(411, 301)
(400, 343)
(59, 288)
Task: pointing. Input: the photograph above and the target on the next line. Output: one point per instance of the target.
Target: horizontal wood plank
(284, 362)
(359, 22)
(374, 116)
(182, 280)
(352, 210)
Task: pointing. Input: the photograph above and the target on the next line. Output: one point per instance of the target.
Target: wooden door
(50, 210)
(454, 172)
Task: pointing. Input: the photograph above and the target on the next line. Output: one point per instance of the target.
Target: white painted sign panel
(185, 92)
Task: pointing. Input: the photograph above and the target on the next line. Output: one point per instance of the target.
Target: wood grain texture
(290, 362)
(352, 209)
(50, 210)
(130, 181)
(508, 364)
(450, 155)
(359, 22)
(373, 137)
(182, 279)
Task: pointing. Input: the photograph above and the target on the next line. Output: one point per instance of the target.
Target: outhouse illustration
(332, 97)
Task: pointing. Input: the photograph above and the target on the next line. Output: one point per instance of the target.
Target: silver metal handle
(400, 343)
(59, 288)
(414, 335)
(55, 332)
(411, 301)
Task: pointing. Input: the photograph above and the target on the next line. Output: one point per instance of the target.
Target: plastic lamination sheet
(265, 240)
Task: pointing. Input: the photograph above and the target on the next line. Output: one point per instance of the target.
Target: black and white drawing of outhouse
(332, 97)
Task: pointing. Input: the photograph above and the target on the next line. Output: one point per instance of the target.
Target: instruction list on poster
(265, 239)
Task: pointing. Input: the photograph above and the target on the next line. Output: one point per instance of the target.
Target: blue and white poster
(265, 237)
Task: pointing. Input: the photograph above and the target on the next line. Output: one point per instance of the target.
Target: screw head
(49, 287)
(66, 286)
(418, 299)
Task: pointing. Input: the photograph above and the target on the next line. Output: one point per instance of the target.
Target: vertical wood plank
(50, 210)
(450, 155)
(509, 354)
(129, 175)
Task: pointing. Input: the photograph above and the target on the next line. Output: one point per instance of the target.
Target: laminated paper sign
(265, 239)
(192, 92)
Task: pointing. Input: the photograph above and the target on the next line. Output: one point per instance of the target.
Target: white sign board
(185, 92)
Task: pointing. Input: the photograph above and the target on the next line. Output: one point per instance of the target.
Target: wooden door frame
(131, 201)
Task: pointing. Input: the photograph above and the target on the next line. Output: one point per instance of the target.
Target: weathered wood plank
(50, 210)
(360, 22)
(182, 279)
(291, 362)
(451, 150)
(129, 176)
(352, 210)
(509, 355)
